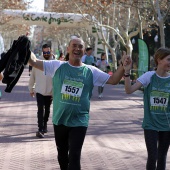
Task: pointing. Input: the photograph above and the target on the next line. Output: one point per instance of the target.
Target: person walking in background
(1, 77)
(103, 65)
(73, 83)
(156, 122)
(41, 87)
(2, 65)
(61, 57)
(88, 58)
(67, 57)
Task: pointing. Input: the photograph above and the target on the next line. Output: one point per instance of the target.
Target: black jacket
(15, 60)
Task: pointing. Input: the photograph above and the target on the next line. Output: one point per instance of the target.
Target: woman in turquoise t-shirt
(156, 122)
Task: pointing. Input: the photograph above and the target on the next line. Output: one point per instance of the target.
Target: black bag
(15, 59)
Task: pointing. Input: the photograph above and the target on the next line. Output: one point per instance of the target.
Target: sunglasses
(48, 52)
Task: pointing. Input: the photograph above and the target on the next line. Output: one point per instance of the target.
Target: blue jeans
(69, 142)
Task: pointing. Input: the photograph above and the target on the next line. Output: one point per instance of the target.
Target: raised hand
(127, 62)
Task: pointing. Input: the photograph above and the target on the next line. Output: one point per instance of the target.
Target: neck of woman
(162, 73)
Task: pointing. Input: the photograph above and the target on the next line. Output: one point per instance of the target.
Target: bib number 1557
(71, 89)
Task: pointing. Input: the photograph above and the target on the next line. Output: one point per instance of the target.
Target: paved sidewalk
(114, 138)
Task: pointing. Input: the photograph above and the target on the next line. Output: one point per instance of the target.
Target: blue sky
(37, 5)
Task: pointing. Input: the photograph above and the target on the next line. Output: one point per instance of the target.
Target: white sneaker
(100, 96)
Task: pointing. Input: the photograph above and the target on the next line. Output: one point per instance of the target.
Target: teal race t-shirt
(89, 60)
(72, 90)
(156, 102)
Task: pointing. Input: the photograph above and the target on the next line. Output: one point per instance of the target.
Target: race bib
(72, 88)
(159, 99)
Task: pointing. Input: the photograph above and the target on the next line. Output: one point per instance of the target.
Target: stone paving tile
(114, 139)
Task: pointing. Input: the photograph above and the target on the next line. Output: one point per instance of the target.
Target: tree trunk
(162, 34)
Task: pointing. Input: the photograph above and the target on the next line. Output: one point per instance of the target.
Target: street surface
(114, 139)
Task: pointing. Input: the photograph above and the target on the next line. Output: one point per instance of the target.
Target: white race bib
(159, 99)
(72, 88)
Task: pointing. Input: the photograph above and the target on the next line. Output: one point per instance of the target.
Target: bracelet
(126, 75)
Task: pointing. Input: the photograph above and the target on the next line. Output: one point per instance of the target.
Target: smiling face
(76, 50)
(164, 63)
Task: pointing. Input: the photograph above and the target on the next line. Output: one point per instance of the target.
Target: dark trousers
(157, 144)
(69, 142)
(100, 89)
(30, 68)
(43, 104)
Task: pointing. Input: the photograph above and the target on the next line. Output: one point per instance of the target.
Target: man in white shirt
(41, 87)
(73, 82)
